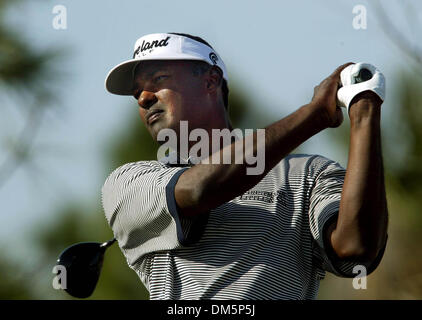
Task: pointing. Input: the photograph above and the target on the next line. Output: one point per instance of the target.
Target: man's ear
(214, 78)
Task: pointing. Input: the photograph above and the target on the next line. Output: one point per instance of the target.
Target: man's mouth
(153, 115)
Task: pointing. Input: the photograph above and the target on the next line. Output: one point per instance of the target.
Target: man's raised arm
(361, 229)
(206, 186)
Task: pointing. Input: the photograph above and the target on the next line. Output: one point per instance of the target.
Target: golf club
(83, 262)
(363, 75)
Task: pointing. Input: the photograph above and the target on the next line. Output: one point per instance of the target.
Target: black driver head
(83, 262)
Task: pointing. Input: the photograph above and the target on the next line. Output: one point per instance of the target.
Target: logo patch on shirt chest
(264, 196)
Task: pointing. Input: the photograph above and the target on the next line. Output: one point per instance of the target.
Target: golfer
(193, 228)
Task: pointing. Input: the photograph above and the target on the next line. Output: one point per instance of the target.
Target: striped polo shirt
(264, 244)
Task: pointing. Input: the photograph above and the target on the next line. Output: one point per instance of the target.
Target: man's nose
(147, 99)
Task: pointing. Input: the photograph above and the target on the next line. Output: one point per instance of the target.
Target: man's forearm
(206, 186)
(362, 221)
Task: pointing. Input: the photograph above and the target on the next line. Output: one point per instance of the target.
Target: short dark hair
(224, 86)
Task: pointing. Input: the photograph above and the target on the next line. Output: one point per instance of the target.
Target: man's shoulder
(138, 166)
(307, 163)
(304, 158)
(143, 164)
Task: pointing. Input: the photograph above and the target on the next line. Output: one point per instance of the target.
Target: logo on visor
(150, 46)
(213, 58)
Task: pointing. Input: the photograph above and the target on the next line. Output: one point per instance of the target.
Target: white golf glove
(352, 85)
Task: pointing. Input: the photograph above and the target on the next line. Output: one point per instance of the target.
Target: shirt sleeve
(140, 207)
(323, 210)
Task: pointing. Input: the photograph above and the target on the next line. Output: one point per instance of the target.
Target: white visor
(160, 46)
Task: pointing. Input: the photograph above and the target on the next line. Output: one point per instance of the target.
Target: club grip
(363, 75)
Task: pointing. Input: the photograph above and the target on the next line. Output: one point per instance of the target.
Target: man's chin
(156, 128)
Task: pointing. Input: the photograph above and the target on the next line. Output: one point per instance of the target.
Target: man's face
(167, 93)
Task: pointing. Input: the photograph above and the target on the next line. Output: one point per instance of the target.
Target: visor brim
(120, 79)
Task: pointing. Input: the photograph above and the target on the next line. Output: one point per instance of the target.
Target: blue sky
(277, 50)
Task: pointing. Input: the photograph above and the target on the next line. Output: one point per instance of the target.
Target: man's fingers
(336, 73)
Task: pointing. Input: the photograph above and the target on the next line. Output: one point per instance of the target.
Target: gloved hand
(352, 85)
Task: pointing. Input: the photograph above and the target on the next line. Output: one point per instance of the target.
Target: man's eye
(160, 78)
